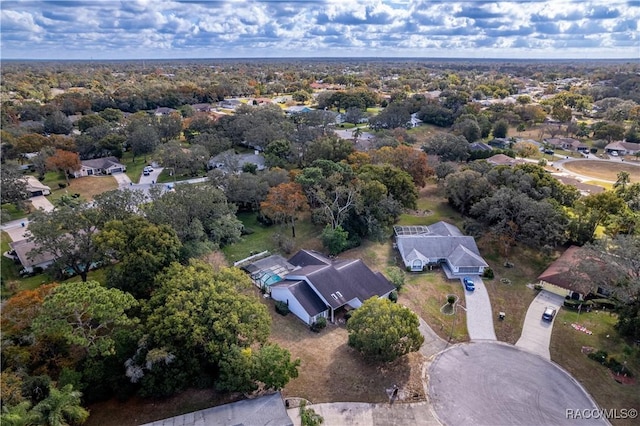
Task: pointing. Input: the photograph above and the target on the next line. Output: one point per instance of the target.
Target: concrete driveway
(492, 383)
(122, 179)
(536, 333)
(41, 202)
(364, 414)
(152, 178)
(479, 314)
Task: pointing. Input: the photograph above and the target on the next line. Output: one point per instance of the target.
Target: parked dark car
(548, 314)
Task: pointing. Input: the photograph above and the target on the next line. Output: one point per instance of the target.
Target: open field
(605, 170)
(567, 347)
(88, 187)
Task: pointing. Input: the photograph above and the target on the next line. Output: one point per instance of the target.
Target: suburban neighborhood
(349, 242)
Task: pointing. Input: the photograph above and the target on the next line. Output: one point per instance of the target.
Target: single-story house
(562, 273)
(622, 148)
(100, 166)
(23, 248)
(201, 107)
(501, 143)
(265, 410)
(231, 162)
(35, 187)
(479, 146)
(503, 160)
(441, 244)
(160, 111)
(297, 109)
(318, 286)
(568, 144)
(230, 104)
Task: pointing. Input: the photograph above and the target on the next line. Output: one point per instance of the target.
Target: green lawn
(134, 168)
(13, 213)
(568, 347)
(262, 237)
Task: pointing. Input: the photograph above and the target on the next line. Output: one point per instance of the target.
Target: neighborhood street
(491, 383)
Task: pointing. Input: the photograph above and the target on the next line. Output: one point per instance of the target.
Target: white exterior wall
(283, 294)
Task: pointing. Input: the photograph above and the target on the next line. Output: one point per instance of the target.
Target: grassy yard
(605, 170)
(262, 237)
(568, 347)
(14, 213)
(88, 187)
(134, 167)
(332, 371)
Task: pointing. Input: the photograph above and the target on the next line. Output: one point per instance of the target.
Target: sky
(174, 29)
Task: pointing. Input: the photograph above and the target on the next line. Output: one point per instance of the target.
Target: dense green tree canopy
(85, 314)
(384, 331)
(141, 248)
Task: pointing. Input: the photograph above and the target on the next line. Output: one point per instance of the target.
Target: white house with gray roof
(315, 286)
(440, 244)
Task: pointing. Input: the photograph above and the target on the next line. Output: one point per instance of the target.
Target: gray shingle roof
(305, 295)
(102, 163)
(440, 241)
(263, 411)
(341, 281)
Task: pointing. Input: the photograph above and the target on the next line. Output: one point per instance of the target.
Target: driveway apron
(536, 333)
(479, 314)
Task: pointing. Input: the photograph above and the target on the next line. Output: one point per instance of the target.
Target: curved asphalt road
(490, 383)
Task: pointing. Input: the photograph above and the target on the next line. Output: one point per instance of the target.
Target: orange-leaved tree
(285, 203)
(64, 161)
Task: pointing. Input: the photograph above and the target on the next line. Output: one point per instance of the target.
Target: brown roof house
(315, 286)
(564, 273)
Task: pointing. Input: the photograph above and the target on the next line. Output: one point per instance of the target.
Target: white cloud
(321, 28)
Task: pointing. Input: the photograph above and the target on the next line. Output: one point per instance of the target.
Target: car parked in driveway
(468, 284)
(548, 314)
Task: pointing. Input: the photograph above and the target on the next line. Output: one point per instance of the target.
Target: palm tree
(20, 415)
(356, 134)
(62, 407)
(623, 181)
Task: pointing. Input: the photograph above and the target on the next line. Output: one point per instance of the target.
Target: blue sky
(150, 29)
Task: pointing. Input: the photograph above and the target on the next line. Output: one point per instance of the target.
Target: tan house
(100, 166)
(35, 187)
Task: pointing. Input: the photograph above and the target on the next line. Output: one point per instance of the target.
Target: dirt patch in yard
(332, 371)
(88, 187)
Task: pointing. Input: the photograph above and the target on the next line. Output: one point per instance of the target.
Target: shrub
(488, 273)
(396, 276)
(247, 231)
(393, 296)
(451, 299)
(606, 303)
(599, 356)
(62, 185)
(537, 287)
(37, 270)
(319, 324)
(282, 308)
